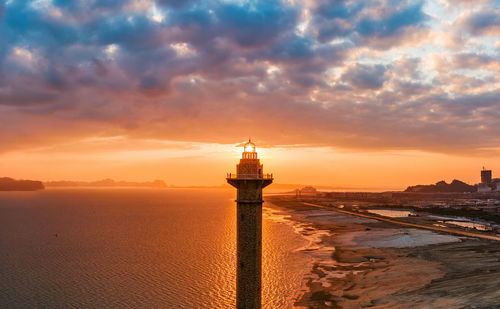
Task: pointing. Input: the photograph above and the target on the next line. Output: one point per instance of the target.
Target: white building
(484, 188)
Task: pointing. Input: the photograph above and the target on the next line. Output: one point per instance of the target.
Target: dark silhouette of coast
(10, 184)
(442, 186)
(106, 183)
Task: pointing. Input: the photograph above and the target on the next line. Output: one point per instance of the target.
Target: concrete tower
(249, 180)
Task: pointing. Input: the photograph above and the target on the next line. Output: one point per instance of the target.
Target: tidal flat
(365, 263)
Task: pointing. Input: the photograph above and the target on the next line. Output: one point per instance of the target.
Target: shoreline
(408, 224)
(278, 215)
(362, 262)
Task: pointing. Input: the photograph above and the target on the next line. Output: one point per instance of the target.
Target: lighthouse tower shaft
(249, 181)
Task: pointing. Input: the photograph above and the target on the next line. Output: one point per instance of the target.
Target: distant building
(498, 186)
(486, 176)
(483, 188)
(306, 191)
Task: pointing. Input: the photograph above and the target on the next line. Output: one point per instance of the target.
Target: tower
(249, 180)
(486, 176)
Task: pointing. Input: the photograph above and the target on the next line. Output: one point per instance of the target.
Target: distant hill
(442, 186)
(106, 183)
(10, 184)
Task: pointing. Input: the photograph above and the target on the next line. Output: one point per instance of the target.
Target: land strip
(428, 227)
(362, 261)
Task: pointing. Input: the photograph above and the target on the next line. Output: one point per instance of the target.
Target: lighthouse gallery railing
(249, 176)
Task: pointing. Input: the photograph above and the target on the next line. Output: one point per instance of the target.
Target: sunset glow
(249, 154)
(379, 94)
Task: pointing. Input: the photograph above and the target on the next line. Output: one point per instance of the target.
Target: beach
(362, 262)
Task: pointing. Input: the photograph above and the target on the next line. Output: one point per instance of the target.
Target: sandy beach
(361, 262)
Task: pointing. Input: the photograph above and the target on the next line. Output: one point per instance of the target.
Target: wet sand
(361, 262)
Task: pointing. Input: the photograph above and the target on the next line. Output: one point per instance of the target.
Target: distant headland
(10, 184)
(442, 186)
(106, 183)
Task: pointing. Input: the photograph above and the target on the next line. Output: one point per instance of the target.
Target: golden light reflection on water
(282, 266)
(173, 248)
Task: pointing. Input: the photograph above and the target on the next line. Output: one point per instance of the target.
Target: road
(421, 226)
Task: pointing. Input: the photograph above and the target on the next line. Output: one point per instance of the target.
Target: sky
(380, 94)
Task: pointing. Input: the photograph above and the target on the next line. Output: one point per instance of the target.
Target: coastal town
(457, 204)
(427, 247)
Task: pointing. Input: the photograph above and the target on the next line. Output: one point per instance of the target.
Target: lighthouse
(249, 181)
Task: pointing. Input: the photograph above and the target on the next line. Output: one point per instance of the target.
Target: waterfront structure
(483, 188)
(308, 191)
(486, 176)
(249, 181)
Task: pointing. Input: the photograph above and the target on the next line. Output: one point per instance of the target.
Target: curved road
(434, 228)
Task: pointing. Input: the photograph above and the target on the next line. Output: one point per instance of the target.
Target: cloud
(365, 76)
(474, 61)
(255, 23)
(174, 3)
(483, 22)
(344, 74)
(382, 25)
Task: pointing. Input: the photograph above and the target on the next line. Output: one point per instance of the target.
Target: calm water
(391, 213)
(471, 225)
(116, 248)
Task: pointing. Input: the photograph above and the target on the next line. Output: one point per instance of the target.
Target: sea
(136, 248)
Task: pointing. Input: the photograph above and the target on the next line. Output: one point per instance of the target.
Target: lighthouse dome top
(249, 146)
